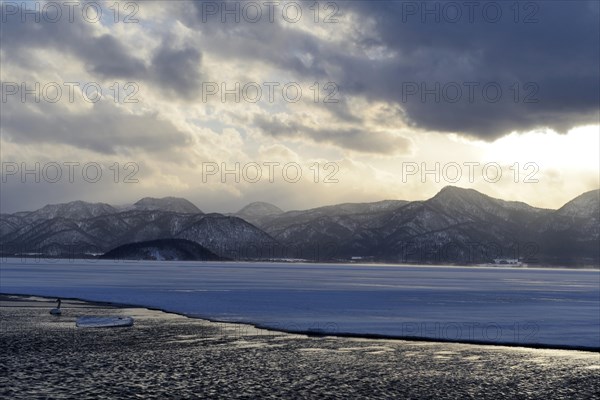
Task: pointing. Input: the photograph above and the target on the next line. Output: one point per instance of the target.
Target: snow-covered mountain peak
(73, 210)
(259, 209)
(586, 205)
(172, 204)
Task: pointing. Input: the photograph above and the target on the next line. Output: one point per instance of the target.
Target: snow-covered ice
(545, 306)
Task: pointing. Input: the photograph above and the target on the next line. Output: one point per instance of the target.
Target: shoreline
(53, 260)
(168, 355)
(323, 334)
(92, 260)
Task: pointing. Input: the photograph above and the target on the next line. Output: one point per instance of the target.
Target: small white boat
(103, 322)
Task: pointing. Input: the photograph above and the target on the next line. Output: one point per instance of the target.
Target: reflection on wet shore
(169, 356)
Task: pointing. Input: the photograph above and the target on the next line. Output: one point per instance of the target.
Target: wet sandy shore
(170, 356)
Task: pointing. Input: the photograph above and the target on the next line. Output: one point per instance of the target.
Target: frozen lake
(544, 306)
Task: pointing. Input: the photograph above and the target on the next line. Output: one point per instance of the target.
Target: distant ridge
(584, 205)
(172, 204)
(456, 226)
(259, 209)
(74, 210)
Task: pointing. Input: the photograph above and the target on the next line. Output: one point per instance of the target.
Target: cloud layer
(466, 73)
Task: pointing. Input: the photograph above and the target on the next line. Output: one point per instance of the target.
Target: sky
(297, 103)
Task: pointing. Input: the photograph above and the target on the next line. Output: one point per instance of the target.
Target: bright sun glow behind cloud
(577, 150)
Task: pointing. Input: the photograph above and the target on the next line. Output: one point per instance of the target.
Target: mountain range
(456, 226)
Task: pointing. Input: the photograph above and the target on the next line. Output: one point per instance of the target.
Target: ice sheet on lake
(546, 306)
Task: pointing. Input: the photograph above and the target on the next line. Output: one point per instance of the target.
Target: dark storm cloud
(104, 55)
(175, 71)
(516, 71)
(354, 139)
(263, 41)
(553, 59)
(104, 128)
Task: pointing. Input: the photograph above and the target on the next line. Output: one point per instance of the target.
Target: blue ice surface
(558, 307)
